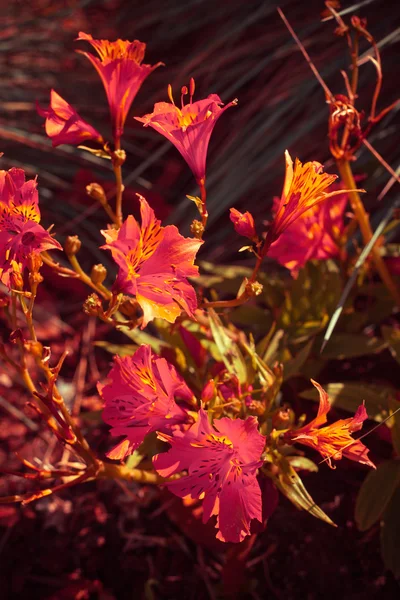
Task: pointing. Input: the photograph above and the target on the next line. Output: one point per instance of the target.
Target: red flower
(243, 223)
(189, 128)
(333, 441)
(122, 73)
(154, 263)
(222, 461)
(314, 235)
(64, 125)
(140, 399)
(20, 233)
(304, 187)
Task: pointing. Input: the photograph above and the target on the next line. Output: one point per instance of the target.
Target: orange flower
(304, 187)
(122, 73)
(333, 441)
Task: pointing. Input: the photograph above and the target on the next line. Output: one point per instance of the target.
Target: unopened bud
(98, 274)
(16, 280)
(283, 418)
(129, 307)
(118, 158)
(95, 191)
(197, 229)
(72, 245)
(92, 305)
(209, 391)
(34, 348)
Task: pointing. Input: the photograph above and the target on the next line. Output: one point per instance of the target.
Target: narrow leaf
(376, 492)
(229, 350)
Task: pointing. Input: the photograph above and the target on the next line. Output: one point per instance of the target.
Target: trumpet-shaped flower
(21, 235)
(314, 235)
(304, 187)
(189, 128)
(140, 398)
(154, 263)
(333, 441)
(222, 461)
(120, 67)
(63, 124)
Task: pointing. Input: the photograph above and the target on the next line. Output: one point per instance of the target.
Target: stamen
(184, 91)
(170, 94)
(191, 88)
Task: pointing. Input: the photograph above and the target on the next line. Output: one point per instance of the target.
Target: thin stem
(365, 227)
(203, 194)
(119, 188)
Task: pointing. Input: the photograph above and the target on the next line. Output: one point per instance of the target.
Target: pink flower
(189, 128)
(304, 187)
(140, 399)
(222, 461)
(243, 223)
(20, 233)
(64, 125)
(333, 441)
(154, 263)
(314, 235)
(122, 73)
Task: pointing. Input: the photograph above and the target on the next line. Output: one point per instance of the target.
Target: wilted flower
(140, 398)
(154, 263)
(189, 128)
(333, 441)
(222, 461)
(64, 125)
(21, 235)
(314, 235)
(304, 187)
(122, 73)
(243, 223)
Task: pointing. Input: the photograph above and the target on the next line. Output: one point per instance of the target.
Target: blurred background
(112, 542)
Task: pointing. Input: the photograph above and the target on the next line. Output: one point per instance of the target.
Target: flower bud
(72, 245)
(118, 158)
(16, 280)
(283, 418)
(209, 391)
(98, 274)
(243, 223)
(197, 229)
(34, 348)
(95, 191)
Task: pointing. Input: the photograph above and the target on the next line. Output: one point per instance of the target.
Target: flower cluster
(21, 235)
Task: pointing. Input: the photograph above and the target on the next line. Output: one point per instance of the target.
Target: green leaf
(392, 337)
(376, 492)
(96, 151)
(390, 535)
(350, 395)
(118, 349)
(293, 367)
(134, 460)
(229, 350)
(394, 424)
(293, 488)
(351, 345)
(302, 463)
